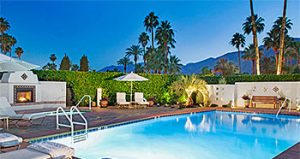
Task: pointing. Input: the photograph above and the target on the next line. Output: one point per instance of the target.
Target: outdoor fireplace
(24, 94)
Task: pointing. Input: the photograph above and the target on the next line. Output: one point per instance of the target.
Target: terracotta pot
(151, 103)
(247, 103)
(104, 103)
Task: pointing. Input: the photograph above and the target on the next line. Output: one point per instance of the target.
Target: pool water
(208, 135)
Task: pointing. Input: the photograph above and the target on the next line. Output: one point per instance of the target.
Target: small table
(4, 119)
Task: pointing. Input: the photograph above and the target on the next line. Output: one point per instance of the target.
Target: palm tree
(52, 58)
(4, 25)
(174, 65)
(256, 25)
(19, 51)
(151, 22)
(125, 61)
(134, 51)
(268, 65)
(165, 39)
(282, 36)
(7, 42)
(225, 67)
(250, 55)
(143, 40)
(238, 40)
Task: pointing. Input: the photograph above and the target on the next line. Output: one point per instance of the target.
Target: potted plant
(104, 102)
(246, 100)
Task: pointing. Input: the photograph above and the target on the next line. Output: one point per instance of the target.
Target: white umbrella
(131, 77)
(8, 64)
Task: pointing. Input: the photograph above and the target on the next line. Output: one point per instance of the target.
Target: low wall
(223, 94)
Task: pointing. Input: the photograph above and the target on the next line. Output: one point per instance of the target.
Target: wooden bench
(264, 100)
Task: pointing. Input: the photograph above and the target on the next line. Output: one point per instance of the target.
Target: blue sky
(104, 29)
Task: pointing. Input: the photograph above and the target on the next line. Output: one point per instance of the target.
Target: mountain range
(196, 67)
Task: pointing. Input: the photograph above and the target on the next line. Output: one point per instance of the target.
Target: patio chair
(7, 110)
(121, 99)
(8, 140)
(43, 150)
(139, 99)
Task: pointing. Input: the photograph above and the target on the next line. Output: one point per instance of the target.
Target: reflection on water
(260, 125)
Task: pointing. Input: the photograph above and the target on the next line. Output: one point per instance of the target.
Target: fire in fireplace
(24, 94)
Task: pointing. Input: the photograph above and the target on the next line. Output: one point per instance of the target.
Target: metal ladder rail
(90, 101)
(75, 109)
(64, 125)
(280, 108)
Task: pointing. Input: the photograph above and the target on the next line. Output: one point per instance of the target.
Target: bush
(83, 83)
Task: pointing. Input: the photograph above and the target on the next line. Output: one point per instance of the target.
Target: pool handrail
(283, 104)
(90, 101)
(70, 119)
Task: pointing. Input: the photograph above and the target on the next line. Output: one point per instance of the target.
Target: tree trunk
(144, 59)
(166, 59)
(253, 67)
(281, 45)
(125, 68)
(239, 58)
(255, 43)
(152, 33)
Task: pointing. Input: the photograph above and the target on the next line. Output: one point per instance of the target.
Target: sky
(103, 30)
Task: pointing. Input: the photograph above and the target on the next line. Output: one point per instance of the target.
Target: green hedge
(83, 83)
(87, 82)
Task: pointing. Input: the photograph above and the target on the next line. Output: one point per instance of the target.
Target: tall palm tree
(4, 25)
(165, 39)
(268, 65)
(143, 40)
(238, 40)
(135, 51)
(125, 61)
(19, 51)
(256, 26)
(282, 36)
(174, 65)
(151, 22)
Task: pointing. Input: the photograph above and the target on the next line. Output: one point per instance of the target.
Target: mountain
(191, 68)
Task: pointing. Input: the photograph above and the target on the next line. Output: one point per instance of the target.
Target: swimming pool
(209, 135)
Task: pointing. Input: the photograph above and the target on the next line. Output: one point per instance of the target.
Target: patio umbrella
(131, 77)
(8, 64)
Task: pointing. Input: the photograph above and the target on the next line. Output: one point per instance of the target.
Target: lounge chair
(9, 140)
(7, 110)
(139, 99)
(43, 150)
(121, 99)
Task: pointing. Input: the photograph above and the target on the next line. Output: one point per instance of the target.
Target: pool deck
(106, 116)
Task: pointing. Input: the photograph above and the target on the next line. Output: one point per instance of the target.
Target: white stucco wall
(221, 94)
(286, 89)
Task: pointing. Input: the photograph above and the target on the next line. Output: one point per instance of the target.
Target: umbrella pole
(131, 93)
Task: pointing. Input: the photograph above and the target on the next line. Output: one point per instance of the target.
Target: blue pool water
(209, 135)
